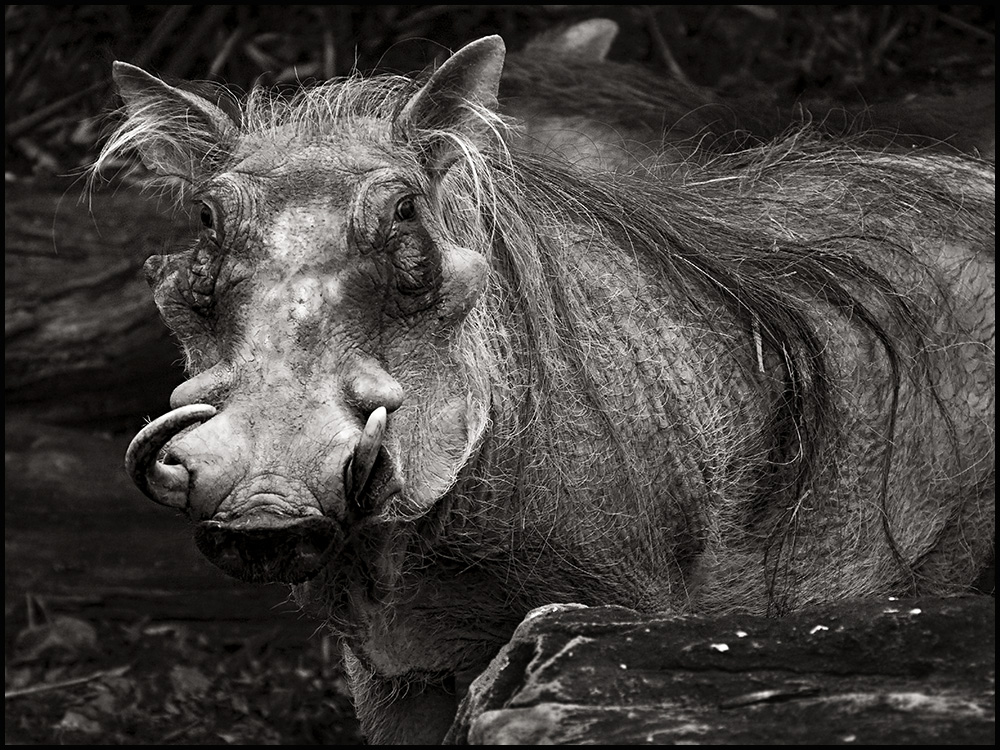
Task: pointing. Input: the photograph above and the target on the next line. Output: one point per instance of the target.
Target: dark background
(116, 630)
(58, 58)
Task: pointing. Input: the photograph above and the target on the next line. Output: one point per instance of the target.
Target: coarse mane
(643, 103)
(305, 112)
(755, 236)
(649, 111)
(744, 245)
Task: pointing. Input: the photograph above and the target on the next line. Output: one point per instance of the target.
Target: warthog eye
(406, 209)
(210, 221)
(207, 216)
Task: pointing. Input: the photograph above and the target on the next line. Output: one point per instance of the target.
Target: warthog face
(318, 311)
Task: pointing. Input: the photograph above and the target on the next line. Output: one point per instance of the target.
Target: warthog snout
(254, 522)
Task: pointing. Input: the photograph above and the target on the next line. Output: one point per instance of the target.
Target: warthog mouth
(264, 548)
(268, 543)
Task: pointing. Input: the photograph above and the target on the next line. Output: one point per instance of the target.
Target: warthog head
(318, 310)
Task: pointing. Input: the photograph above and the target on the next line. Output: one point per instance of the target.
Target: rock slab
(893, 671)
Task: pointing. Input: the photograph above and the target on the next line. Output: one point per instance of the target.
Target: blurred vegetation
(58, 57)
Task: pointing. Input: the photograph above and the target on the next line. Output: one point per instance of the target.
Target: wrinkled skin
(298, 313)
(340, 433)
(277, 446)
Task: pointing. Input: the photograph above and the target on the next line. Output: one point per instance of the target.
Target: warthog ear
(456, 104)
(588, 40)
(176, 132)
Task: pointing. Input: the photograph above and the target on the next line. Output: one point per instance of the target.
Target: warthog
(571, 100)
(599, 113)
(436, 382)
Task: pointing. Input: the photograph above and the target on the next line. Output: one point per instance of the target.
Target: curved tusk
(366, 451)
(141, 458)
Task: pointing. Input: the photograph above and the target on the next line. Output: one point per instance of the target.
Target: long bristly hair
(756, 247)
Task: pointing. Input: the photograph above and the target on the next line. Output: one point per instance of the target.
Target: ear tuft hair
(456, 109)
(177, 133)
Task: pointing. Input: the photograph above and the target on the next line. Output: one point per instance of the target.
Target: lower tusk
(367, 449)
(163, 483)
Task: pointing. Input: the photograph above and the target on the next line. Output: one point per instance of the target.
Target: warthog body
(573, 100)
(437, 382)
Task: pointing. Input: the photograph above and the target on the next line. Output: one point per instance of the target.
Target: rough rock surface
(915, 671)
